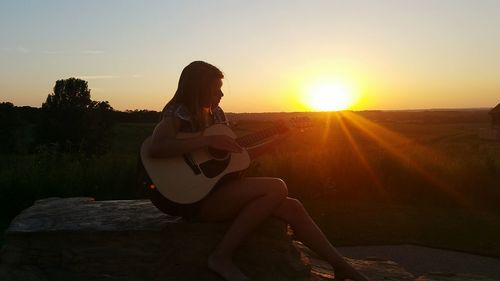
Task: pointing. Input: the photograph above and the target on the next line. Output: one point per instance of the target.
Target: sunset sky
(385, 54)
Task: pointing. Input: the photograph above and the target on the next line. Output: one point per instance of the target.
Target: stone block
(84, 239)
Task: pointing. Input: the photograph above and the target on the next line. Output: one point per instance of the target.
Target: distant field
(367, 178)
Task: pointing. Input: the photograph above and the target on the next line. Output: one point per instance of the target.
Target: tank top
(188, 122)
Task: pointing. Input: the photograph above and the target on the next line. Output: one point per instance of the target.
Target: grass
(381, 179)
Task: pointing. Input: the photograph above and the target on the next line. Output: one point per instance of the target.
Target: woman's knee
(274, 188)
(277, 188)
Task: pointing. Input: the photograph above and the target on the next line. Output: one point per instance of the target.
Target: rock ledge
(83, 239)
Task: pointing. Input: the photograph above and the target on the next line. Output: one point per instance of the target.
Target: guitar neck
(257, 137)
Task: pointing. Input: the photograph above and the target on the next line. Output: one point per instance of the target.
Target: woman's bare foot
(226, 269)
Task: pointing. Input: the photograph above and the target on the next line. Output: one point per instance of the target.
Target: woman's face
(216, 93)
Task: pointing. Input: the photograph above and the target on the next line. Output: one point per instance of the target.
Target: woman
(246, 201)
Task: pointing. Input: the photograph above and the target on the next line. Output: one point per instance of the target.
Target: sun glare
(330, 96)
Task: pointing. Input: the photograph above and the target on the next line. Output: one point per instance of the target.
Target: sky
(389, 54)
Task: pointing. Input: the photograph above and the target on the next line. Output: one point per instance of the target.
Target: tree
(72, 121)
(98, 122)
(9, 124)
(16, 127)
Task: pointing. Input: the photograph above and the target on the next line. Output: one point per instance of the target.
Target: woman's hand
(223, 142)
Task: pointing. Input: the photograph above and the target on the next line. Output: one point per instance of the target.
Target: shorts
(189, 212)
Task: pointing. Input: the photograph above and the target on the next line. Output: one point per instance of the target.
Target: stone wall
(82, 239)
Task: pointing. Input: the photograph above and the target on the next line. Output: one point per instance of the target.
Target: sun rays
(421, 159)
(361, 156)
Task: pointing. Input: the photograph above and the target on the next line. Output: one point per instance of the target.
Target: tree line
(68, 121)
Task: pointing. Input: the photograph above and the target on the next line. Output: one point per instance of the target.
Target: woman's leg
(248, 202)
(293, 212)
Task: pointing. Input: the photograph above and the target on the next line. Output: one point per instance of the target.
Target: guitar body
(189, 178)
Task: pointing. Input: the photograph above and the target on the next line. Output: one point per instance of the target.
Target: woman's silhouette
(245, 201)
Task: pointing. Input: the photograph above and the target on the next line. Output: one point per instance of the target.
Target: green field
(367, 178)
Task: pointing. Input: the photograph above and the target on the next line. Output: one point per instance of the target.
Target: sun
(330, 96)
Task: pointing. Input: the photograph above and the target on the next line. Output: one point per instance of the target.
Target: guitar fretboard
(254, 138)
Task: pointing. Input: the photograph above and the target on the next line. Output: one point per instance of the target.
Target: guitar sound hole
(218, 154)
(213, 168)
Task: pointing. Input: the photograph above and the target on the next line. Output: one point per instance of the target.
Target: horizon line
(325, 111)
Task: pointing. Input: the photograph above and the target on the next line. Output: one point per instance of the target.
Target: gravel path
(419, 260)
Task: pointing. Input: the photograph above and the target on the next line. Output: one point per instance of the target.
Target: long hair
(194, 88)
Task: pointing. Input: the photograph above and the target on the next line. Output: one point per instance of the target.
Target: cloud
(86, 52)
(95, 77)
(93, 52)
(53, 52)
(23, 50)
(137, 75)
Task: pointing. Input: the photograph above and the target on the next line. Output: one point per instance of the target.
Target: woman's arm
(165, 144)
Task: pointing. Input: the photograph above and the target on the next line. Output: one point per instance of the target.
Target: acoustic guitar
(189, 178)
